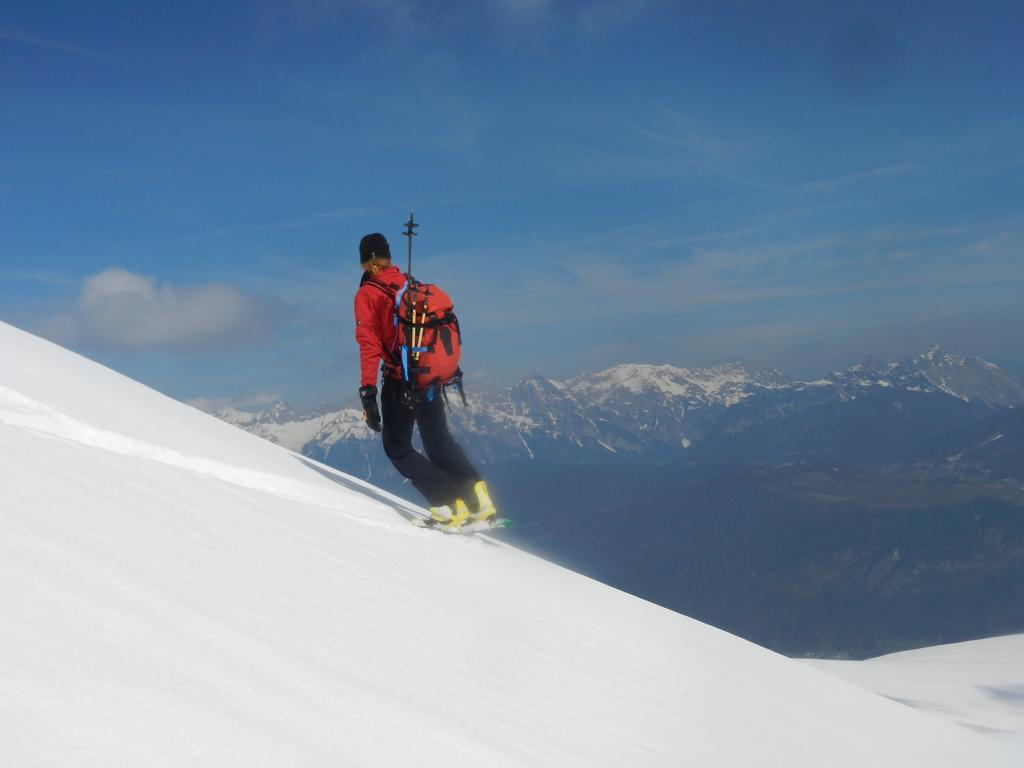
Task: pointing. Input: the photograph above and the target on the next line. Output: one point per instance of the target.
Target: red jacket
(376, 333)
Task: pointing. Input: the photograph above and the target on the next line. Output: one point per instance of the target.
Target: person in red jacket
(452, 486)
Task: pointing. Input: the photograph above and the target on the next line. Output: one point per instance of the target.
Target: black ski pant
(445, 473)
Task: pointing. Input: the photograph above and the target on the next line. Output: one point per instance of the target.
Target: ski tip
(490, 525)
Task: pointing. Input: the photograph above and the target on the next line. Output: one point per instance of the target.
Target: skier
(452, 486)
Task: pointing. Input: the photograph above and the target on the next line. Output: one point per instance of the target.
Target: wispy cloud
(1003, 245)
(872, 174)
(346, 213)
(681, 132)
(676, 141)
(336, 214)
(22, 38)
(123, 310)
(449, 119)
(587, 284)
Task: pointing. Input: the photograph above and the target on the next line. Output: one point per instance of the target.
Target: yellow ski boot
(446, 517)
(485, 510)
(461, 514)
(440, 515)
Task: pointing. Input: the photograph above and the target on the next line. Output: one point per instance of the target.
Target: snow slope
(978, 684)
(177, 592)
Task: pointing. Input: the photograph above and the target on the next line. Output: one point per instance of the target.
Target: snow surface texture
(177, 592)
(978, 684)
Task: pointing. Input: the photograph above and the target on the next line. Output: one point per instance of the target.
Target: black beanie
(373, 245)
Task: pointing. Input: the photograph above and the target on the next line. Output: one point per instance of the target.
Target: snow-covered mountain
(644, 412)
(725, 384)
(970, 379)
(627, 410)
(283, 425)
(178, 592)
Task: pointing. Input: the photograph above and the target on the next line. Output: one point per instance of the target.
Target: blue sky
(183, 186)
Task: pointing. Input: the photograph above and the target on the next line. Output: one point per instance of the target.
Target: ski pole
(423, 327)
(416, 333)
(410, 225)
(415, 353)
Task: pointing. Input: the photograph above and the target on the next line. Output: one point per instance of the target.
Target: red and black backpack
(429, 342)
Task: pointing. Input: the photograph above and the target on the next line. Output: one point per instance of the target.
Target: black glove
(371, 413)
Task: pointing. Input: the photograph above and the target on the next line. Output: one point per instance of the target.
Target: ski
(486, 525)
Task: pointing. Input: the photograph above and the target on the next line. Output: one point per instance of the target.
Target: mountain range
(663, 413)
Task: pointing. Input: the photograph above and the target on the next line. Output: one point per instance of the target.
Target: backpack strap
(456, 381)
(367, 280)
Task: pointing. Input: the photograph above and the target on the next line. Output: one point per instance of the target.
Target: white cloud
(121, 309)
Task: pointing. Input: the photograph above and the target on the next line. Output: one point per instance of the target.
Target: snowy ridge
(178, 592)
(633, 410)
(977, 684)
(966, 378)
(285, 426)
(724, 384)
(17, 410)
